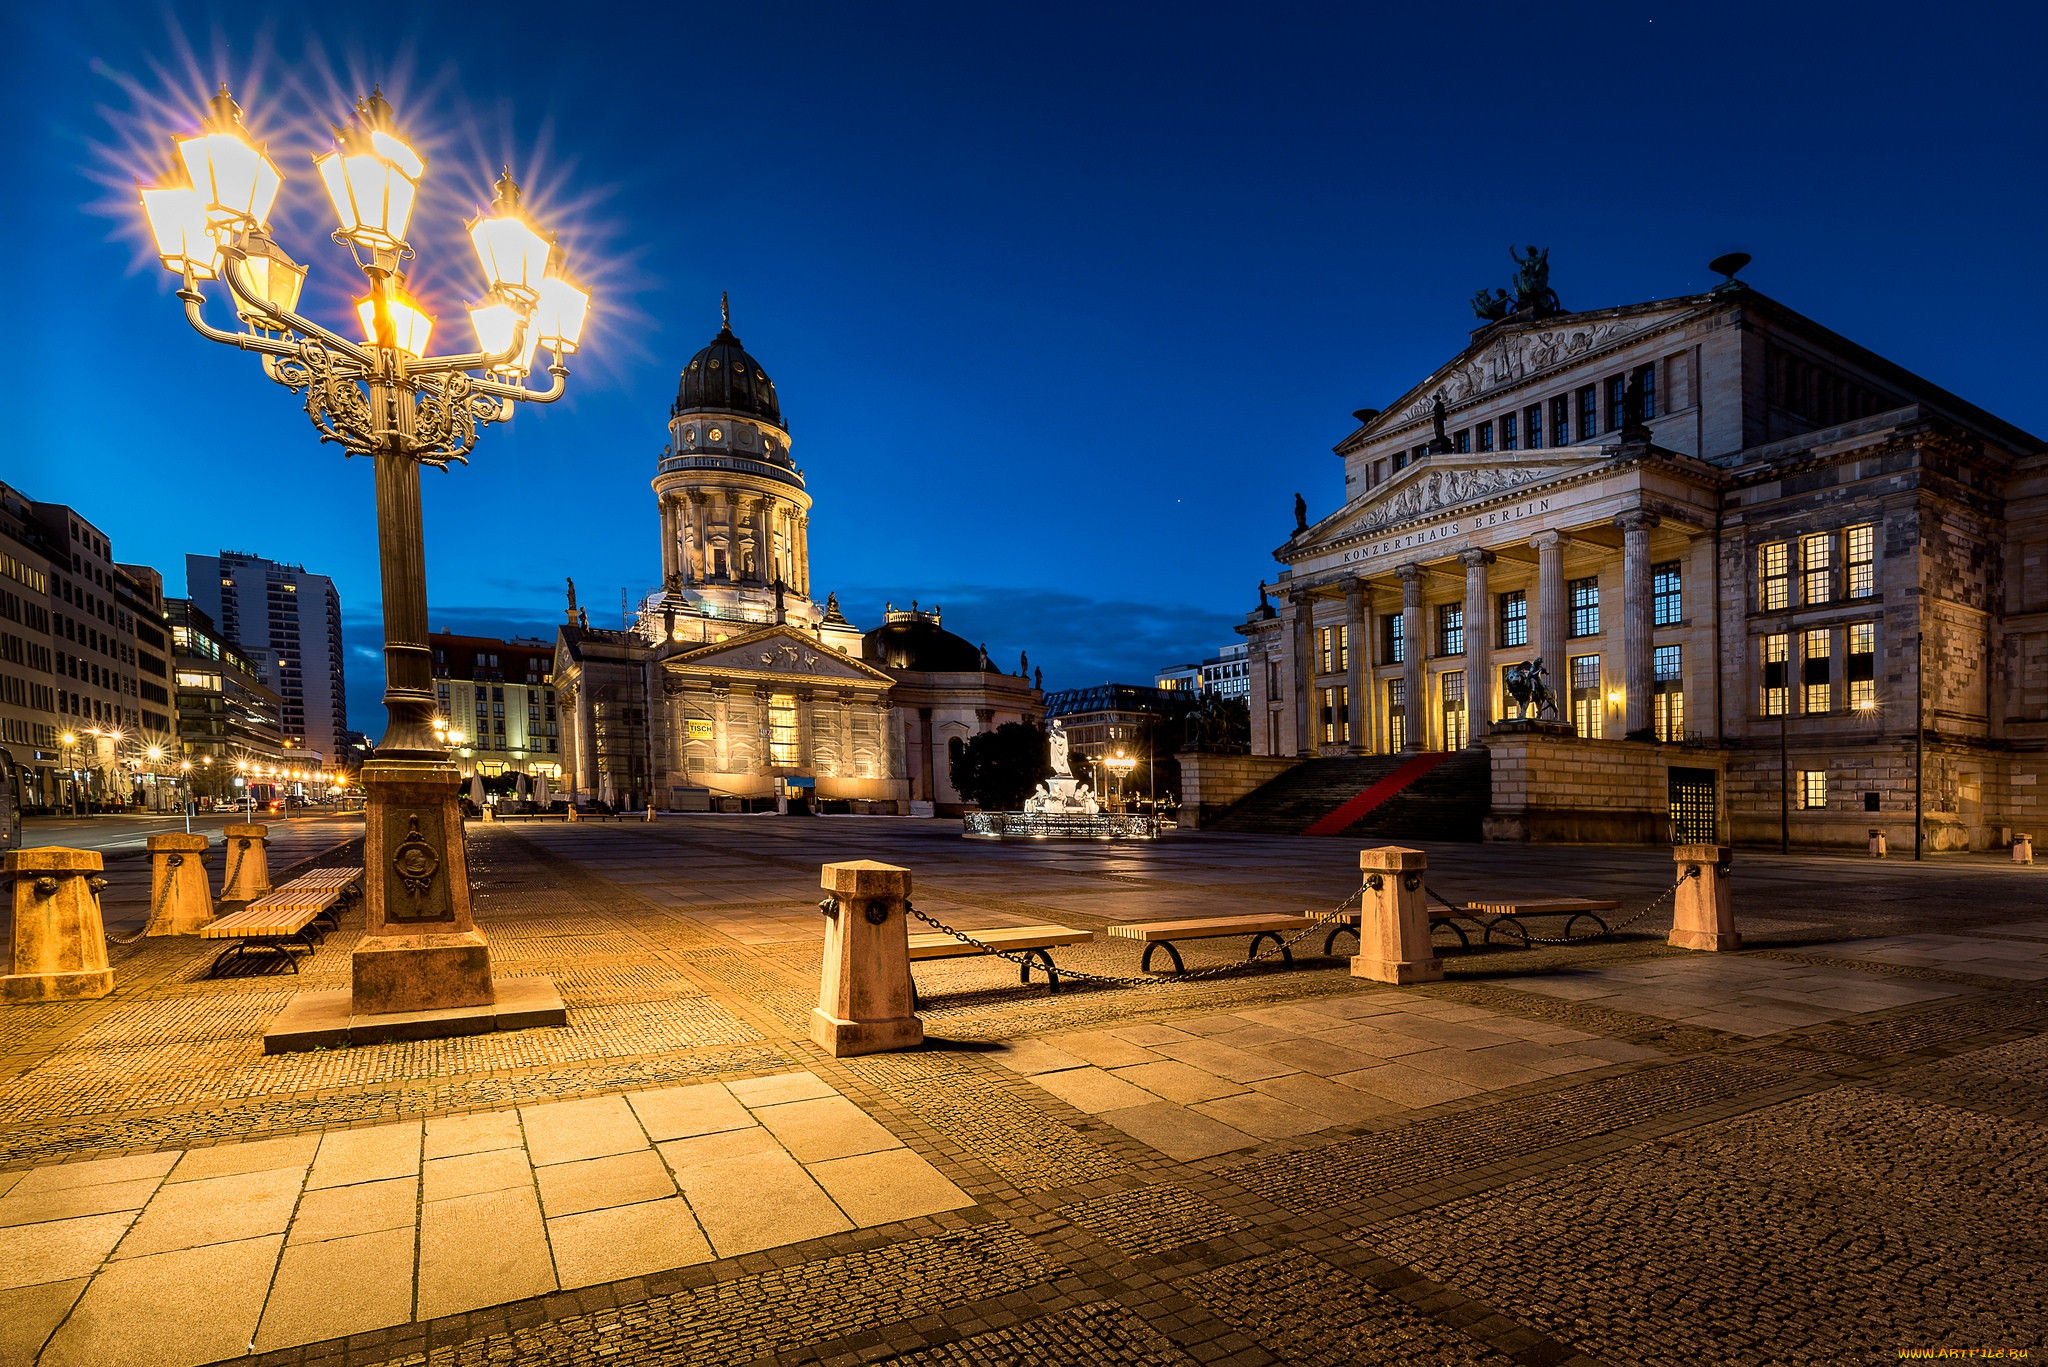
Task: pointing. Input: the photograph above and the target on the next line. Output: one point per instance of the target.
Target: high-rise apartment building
(289, 623)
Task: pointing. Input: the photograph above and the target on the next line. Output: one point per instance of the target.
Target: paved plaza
(1826, 1148)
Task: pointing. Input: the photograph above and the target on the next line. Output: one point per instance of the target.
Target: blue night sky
(1064, 303)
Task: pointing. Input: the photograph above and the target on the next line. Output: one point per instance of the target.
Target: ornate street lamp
(387, 399)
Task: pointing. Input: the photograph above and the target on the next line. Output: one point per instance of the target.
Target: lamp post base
(421, 950)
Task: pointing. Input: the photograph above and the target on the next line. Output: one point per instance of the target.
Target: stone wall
(1561, 790)
(1211, 783)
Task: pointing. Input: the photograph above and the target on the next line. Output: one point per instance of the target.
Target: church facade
(1781, 587)
(735, 686)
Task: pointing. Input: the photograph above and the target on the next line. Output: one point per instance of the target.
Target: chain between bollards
(829, 906)
(172, 864)
(1610, 931)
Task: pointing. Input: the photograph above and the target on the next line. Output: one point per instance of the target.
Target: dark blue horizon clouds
(1064, 303)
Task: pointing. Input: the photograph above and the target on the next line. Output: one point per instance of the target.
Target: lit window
(1336, 716)
(1450, 629)
(1816, 565)
(1777, 687)
(1813, 788)
(1774, 575)
(1514, 618)
(1818, 676)
(1397, 639)
(782, 730)
(1330, 652)
(1668, 593)
(1397, 713)
(1666, 667)
(1457, 730)
(1862, 666)
(1585, 608)
(1862, 561)
(1587, 708)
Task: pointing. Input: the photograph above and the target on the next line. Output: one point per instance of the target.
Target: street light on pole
(386, 399)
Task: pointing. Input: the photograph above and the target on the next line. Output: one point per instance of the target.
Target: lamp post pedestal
(421, 950)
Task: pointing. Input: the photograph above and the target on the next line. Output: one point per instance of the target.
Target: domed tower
(735, 516)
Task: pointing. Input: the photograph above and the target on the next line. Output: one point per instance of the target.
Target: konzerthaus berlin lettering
(1753, 581)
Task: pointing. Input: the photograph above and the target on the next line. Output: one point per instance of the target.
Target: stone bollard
(1393, 926)
(573, 814)
(60, 943)
(649, 816)
(1704, 914)
(1877, 845)
(248, 863)
(864, 985)
(180, 898)
(2022, 849)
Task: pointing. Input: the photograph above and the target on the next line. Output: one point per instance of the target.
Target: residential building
(228, 720)
(1227, 674)
(1179, 678)
(501, 695)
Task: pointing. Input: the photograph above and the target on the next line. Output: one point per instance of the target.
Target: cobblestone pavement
(1825, 1148)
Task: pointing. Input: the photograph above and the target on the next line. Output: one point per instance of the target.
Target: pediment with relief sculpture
(776, 653)
(1441, 484)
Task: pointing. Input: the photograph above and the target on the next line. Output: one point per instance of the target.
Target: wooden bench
(1494, 914)
(1031, 941)
(286, 920)
(1159, 935)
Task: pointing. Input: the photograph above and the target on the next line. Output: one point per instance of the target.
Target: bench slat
(1543, 906)
(257, 922)
(1207, 928)
(939, 945)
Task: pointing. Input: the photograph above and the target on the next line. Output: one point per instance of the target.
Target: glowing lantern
(559, 315)
(184, 239)
(371, 176)
(513, 253)
(234, 178)
(495, 323)
(272, 275)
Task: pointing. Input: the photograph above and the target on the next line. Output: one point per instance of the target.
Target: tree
(998, 769)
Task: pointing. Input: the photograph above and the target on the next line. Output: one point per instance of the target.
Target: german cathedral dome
(723, 378)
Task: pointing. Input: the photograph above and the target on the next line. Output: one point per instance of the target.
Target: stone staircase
(1446, 802)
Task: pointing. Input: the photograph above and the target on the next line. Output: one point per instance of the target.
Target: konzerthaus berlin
(1800, 559)
(734, 685)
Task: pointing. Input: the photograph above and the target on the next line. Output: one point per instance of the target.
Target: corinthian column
(1550, 606)
(1411, 658)
(1478, 645)
(1638, 608)
(1357, 655)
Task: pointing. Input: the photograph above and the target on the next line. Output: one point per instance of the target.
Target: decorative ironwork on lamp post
(384, 398)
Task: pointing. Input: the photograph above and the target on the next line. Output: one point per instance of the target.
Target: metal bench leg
(1286, 954)
(1605, 933)
(1044, 959)
(1330, 940)
(1145, 964)
(1464, 943)
(1511, 921)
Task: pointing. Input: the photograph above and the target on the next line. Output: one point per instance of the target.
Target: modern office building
(228, 719)
(287, 621)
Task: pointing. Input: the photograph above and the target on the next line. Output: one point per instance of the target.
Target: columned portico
(1414, 698)
(1478, 643)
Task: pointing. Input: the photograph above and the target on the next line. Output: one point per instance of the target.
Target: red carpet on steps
(1335, 823)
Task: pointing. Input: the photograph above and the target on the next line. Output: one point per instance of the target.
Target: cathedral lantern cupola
(735, 516)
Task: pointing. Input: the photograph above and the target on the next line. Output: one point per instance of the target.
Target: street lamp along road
(386, 399)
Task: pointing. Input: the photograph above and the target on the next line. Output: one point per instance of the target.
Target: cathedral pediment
(776, 653)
